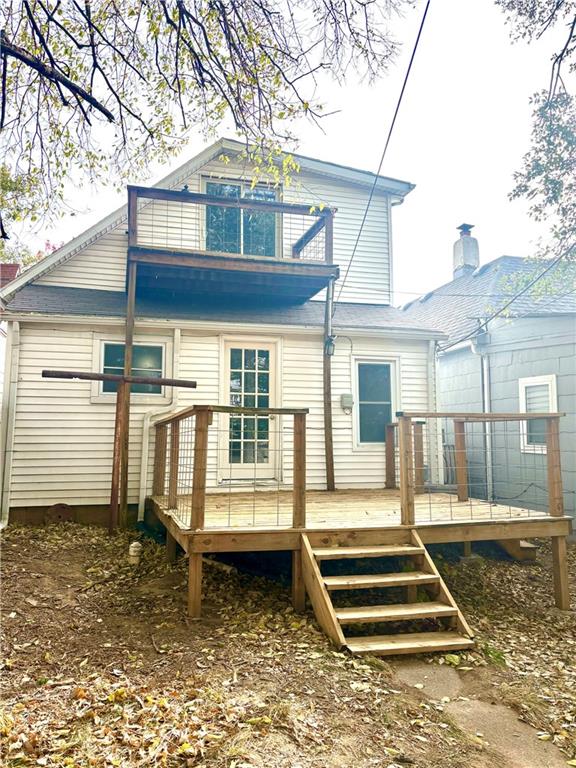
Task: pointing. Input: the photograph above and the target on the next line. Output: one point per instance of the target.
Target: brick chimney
(466, 252)
(8, 272)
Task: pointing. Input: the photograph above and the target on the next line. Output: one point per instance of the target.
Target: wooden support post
(467, 548)
(203, 416)
(128, 347)
(171, 547)
(560, 569)
(299, 508)
(194, 585)
(327, 353)
(160, 451)
(390, 457)
(460, 459)
(556, 509)
(116, 459)
(406, 470)
(418, 457)
(174, 462)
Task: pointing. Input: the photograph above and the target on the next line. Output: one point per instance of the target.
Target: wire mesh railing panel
(226, 228)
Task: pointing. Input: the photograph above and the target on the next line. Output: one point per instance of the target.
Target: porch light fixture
(330, 345)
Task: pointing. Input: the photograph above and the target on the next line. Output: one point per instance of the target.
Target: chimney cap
(465, 229)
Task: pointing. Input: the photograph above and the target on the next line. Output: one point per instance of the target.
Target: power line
(512, 300)
(393, 123)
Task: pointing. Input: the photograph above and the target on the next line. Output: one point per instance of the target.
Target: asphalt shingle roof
(458, 306)
(56, 300)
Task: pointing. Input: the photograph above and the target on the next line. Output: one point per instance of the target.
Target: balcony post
(203, 416)
(174, 463)
(390, 457)
(556, 509)
(406, 470)
(418, 457)
(160, 446)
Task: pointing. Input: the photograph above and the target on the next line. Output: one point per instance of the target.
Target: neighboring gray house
(523, 360)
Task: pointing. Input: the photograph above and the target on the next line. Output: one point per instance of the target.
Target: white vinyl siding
(63, 439)
(102, 264)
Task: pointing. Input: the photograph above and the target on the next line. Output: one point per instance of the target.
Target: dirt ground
(100, 667)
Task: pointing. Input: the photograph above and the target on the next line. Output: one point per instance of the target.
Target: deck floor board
(364, 508)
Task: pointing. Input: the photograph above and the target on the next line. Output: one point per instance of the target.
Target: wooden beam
(406, 470)
(125, 422)
(418, 458)
(560, 572)
(194, 585)
(234, 409)
(203, 420)
(171, 545)
(118, 377)
(298, 586)
(327, 390)
(460, 459)
(390, 457)
(479, 416)
(116, 458)
(319, 597)
(555, 491)
(132, 217)
(299, 481)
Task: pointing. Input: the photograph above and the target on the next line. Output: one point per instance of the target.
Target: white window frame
(530, 381)
(244, 185)
(394, 363)
(97, 395)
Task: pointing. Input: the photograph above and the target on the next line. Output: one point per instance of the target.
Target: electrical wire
(508, 303)
(383, 155)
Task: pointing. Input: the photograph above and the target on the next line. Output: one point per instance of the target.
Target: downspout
(486, 408)
(146, 423)
(9, 417)
(328, 351)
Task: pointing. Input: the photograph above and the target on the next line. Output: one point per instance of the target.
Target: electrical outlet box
(346, 401)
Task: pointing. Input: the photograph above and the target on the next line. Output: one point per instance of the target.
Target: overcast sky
(462, 130)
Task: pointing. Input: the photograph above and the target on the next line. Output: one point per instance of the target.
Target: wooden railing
(169, 466)
(406, 452)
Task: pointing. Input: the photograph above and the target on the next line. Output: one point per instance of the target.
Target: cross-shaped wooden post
(121, 425)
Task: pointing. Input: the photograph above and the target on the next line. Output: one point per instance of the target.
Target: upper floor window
(374, 401)
(147, 360)
(240, 230)
(537, 395)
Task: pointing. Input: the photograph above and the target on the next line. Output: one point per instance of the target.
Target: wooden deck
(265, 510)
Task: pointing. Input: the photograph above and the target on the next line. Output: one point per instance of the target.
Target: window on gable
(240, 230)
(147, 360)
(537, 395)
(374, 401)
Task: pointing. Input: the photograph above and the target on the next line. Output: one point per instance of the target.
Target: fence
(260, 451)
(466, 467)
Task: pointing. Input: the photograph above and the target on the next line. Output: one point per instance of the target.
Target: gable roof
(384, 184)
(59, 301)
(458, 307)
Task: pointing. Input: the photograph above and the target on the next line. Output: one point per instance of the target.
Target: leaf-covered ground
(102, 668)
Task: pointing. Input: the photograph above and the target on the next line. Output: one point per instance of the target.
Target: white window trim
(98, 342)
(394, 363)
(243, 184)
(550, 381)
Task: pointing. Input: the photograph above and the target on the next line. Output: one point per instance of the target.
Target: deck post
(390, 457)
(418, 457)
(194, 585)
(174, 462)
(203, 416)
(406, 470)
(460, 459)
(299, 508)
(171, 548)
(556, 509)
(116, 458)
(160, 446)
(128, 349)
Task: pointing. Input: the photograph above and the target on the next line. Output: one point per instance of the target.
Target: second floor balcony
(231, 239)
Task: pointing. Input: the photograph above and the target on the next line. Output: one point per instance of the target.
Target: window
(374, 401)
(240, 230)
(147, 360)
(537, 395)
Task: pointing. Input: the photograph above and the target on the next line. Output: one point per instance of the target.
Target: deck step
(386, 550)
(398, 612)
(414, 642)
(367, 581)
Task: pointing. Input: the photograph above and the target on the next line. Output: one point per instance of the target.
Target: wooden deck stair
(419, 579)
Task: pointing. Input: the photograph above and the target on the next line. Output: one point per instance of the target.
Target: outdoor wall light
(347, 402)
(329, 345)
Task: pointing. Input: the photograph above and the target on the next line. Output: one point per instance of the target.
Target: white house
(244, 340)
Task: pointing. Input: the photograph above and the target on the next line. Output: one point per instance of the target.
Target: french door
(248, 444)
